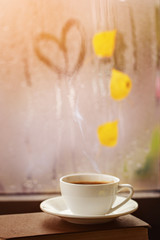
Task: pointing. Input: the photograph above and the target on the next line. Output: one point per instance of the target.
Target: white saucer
(56, 206)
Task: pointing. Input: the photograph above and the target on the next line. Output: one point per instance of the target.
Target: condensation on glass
(54, 92)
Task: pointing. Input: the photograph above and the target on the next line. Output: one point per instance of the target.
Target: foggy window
(67, 104)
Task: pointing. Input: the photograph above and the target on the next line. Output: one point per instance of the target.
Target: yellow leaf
(120, 85)
(104, 43)
(108, 133)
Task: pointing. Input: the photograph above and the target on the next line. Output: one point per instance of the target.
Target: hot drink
(92, 193)
(92, 183)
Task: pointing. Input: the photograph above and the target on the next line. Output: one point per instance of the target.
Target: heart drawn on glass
(62, 46)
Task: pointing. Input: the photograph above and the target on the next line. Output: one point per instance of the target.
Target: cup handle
(120, 187)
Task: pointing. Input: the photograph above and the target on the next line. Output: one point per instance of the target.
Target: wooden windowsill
(148, 210)
(41, 197)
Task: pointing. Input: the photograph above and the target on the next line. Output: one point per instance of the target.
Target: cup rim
(116, 179)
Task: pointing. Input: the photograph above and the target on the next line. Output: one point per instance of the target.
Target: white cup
(92, 193)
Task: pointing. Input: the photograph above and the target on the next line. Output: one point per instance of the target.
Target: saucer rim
(71, 215)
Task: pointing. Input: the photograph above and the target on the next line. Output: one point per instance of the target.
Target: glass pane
(80, 92)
